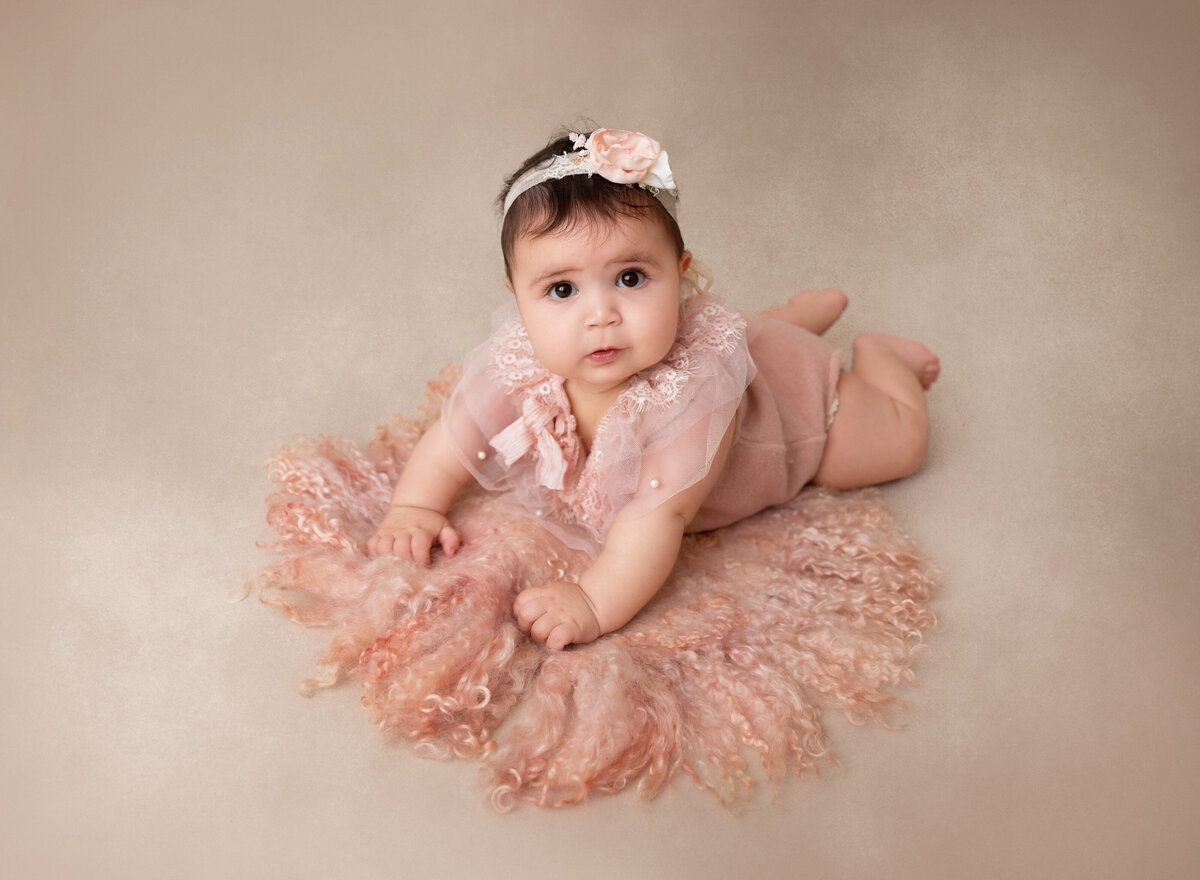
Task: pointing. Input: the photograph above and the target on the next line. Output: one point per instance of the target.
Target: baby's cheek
(665, 327)
(547, 348)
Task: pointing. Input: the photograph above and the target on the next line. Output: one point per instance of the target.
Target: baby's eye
(561, 290)
(631, 278)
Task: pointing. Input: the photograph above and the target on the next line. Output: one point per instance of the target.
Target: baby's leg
(881, 428)
(814, 310)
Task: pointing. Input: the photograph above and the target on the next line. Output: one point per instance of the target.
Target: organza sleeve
(477, 410)
(672, 443)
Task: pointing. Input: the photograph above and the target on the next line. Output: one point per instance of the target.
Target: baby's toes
(931, 372)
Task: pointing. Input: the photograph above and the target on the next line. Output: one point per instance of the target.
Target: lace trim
(713, 328)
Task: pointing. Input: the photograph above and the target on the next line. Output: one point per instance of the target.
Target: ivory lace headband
(616, 155)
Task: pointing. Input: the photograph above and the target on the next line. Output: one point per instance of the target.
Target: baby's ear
(684, 262)
(508, 284)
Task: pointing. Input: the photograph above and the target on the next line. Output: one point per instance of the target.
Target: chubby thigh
(782, 427)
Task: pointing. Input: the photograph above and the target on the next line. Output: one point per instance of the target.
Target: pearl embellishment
(654, 484)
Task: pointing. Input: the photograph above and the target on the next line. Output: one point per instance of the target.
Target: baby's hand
(411, 532)
(558, 613)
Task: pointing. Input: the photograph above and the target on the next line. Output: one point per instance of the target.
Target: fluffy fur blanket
(813, 604)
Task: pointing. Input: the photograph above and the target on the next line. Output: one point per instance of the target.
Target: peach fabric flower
(622, 156)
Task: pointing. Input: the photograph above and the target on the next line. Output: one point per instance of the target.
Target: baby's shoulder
(709, 324)
(709, 362)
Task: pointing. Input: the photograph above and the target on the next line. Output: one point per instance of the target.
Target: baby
(622, 406)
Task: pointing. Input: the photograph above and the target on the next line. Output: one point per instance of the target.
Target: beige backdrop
(225, 223)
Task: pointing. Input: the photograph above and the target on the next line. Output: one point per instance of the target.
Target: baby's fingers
(554, 631)
(390, 544)
(422, 543)
(528, 607)
(562, 635)
(554, 628)
(449, 540)
(380, 544)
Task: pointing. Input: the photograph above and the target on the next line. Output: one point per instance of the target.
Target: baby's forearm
(637, 558)
(433, 474)
(639, 554)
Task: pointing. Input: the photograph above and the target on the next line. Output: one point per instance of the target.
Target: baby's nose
(604, 310)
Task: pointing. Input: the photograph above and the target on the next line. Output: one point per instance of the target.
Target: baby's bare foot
(814, 310)
(923, 362)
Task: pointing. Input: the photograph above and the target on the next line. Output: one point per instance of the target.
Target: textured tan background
(225, 225)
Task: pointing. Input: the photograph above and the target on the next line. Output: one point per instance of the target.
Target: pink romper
(509, 422)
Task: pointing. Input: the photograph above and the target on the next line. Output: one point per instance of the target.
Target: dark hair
(567, 202)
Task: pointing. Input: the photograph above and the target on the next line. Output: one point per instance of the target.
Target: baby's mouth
(603, 355)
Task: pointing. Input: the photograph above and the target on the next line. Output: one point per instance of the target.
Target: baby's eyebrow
(546, 276)
(632, 258)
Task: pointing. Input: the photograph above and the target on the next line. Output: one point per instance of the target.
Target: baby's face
(600, 302)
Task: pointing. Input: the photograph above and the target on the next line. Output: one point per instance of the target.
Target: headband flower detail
(622, 156)
(619, 156)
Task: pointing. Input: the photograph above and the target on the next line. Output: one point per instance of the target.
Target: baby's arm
(635, 561)
(417, 518)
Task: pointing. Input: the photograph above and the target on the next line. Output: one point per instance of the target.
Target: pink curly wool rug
(817, 603)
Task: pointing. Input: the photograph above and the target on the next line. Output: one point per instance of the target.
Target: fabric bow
(534, 426)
